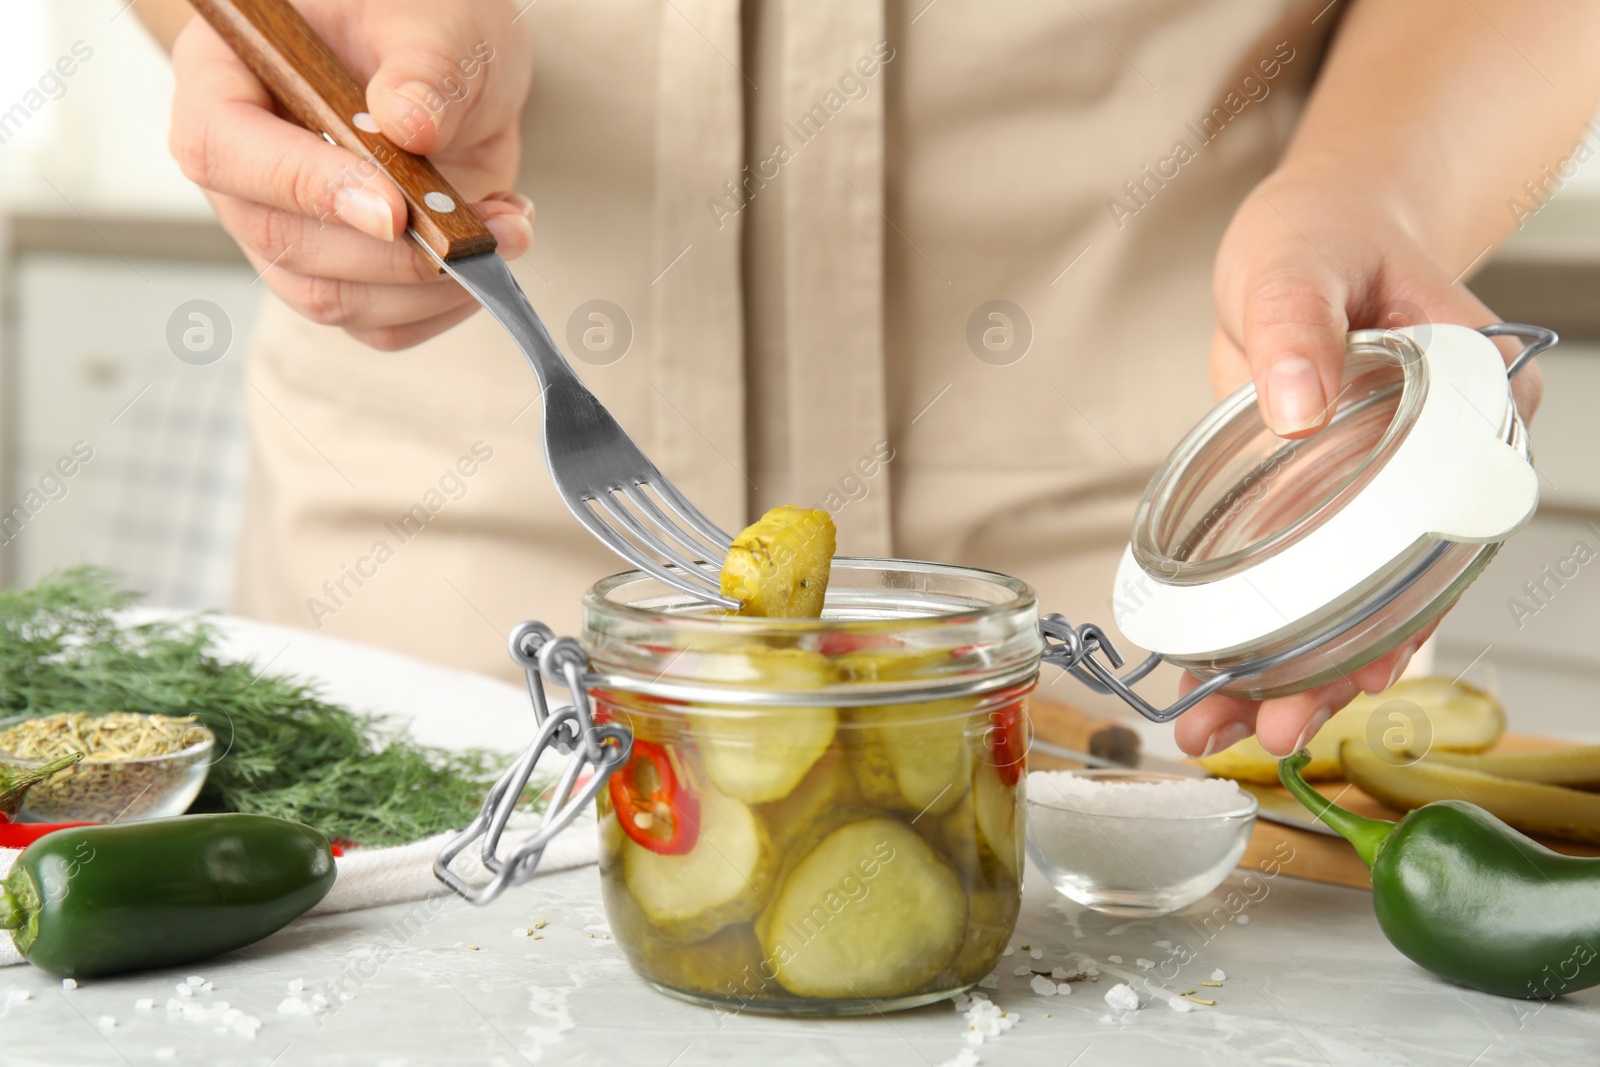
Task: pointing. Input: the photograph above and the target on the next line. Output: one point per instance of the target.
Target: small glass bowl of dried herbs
(134, 766)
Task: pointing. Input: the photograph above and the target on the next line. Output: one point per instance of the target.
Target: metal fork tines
(610, 485)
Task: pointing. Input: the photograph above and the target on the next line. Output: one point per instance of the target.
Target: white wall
(101, 145)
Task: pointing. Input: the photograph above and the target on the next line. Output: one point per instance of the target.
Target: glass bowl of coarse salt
(1134, 843)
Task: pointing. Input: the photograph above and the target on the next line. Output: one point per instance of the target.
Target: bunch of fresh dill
(284, 751)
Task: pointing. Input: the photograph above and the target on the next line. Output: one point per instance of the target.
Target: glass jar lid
(1243, 533)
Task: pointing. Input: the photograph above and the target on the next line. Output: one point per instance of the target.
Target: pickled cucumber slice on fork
(778, 566)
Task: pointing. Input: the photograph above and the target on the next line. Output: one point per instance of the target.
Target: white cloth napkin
(372, 877)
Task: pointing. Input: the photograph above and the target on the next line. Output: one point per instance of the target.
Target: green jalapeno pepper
(1470, 899)
(103, 899)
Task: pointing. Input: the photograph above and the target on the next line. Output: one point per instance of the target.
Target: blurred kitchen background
(105, 250)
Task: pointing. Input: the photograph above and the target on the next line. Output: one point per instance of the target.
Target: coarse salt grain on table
(1121, 997)
(1189, 796)
(983, 1016)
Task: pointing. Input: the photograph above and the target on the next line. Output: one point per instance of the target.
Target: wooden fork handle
(302, 73)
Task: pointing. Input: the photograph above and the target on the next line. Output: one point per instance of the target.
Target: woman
(940, 267)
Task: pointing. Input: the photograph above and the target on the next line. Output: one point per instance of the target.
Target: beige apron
(943, 268)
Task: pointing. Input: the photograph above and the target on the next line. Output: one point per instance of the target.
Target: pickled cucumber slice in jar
(991, 917)
(760, 754)
(726, 964)
(828, 787)
(725, 878)
(955, 833)
(913, 757)
(712, 967)
(778, 566)
(871, 911)
(995, 805)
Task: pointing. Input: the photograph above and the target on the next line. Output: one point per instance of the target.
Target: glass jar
(817, 817)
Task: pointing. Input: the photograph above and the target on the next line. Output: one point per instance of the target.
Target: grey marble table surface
(1308, 979)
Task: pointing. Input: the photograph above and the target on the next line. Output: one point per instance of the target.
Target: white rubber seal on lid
(1452, 478)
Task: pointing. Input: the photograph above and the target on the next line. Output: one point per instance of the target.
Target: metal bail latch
(570, 730)
(1074, 650)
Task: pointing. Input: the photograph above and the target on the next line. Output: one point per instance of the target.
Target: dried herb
(118, 735)
(286, 751)
(134, 766)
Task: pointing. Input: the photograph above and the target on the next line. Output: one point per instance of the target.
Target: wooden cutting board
(1298, 853)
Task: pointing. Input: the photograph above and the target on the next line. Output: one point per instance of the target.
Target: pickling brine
(815, 859)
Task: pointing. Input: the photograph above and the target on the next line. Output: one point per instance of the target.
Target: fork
(610, 485)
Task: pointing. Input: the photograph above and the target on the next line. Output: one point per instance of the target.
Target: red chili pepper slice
(23, 834)
(655, 806)
(1008, 741)
(843, 644)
